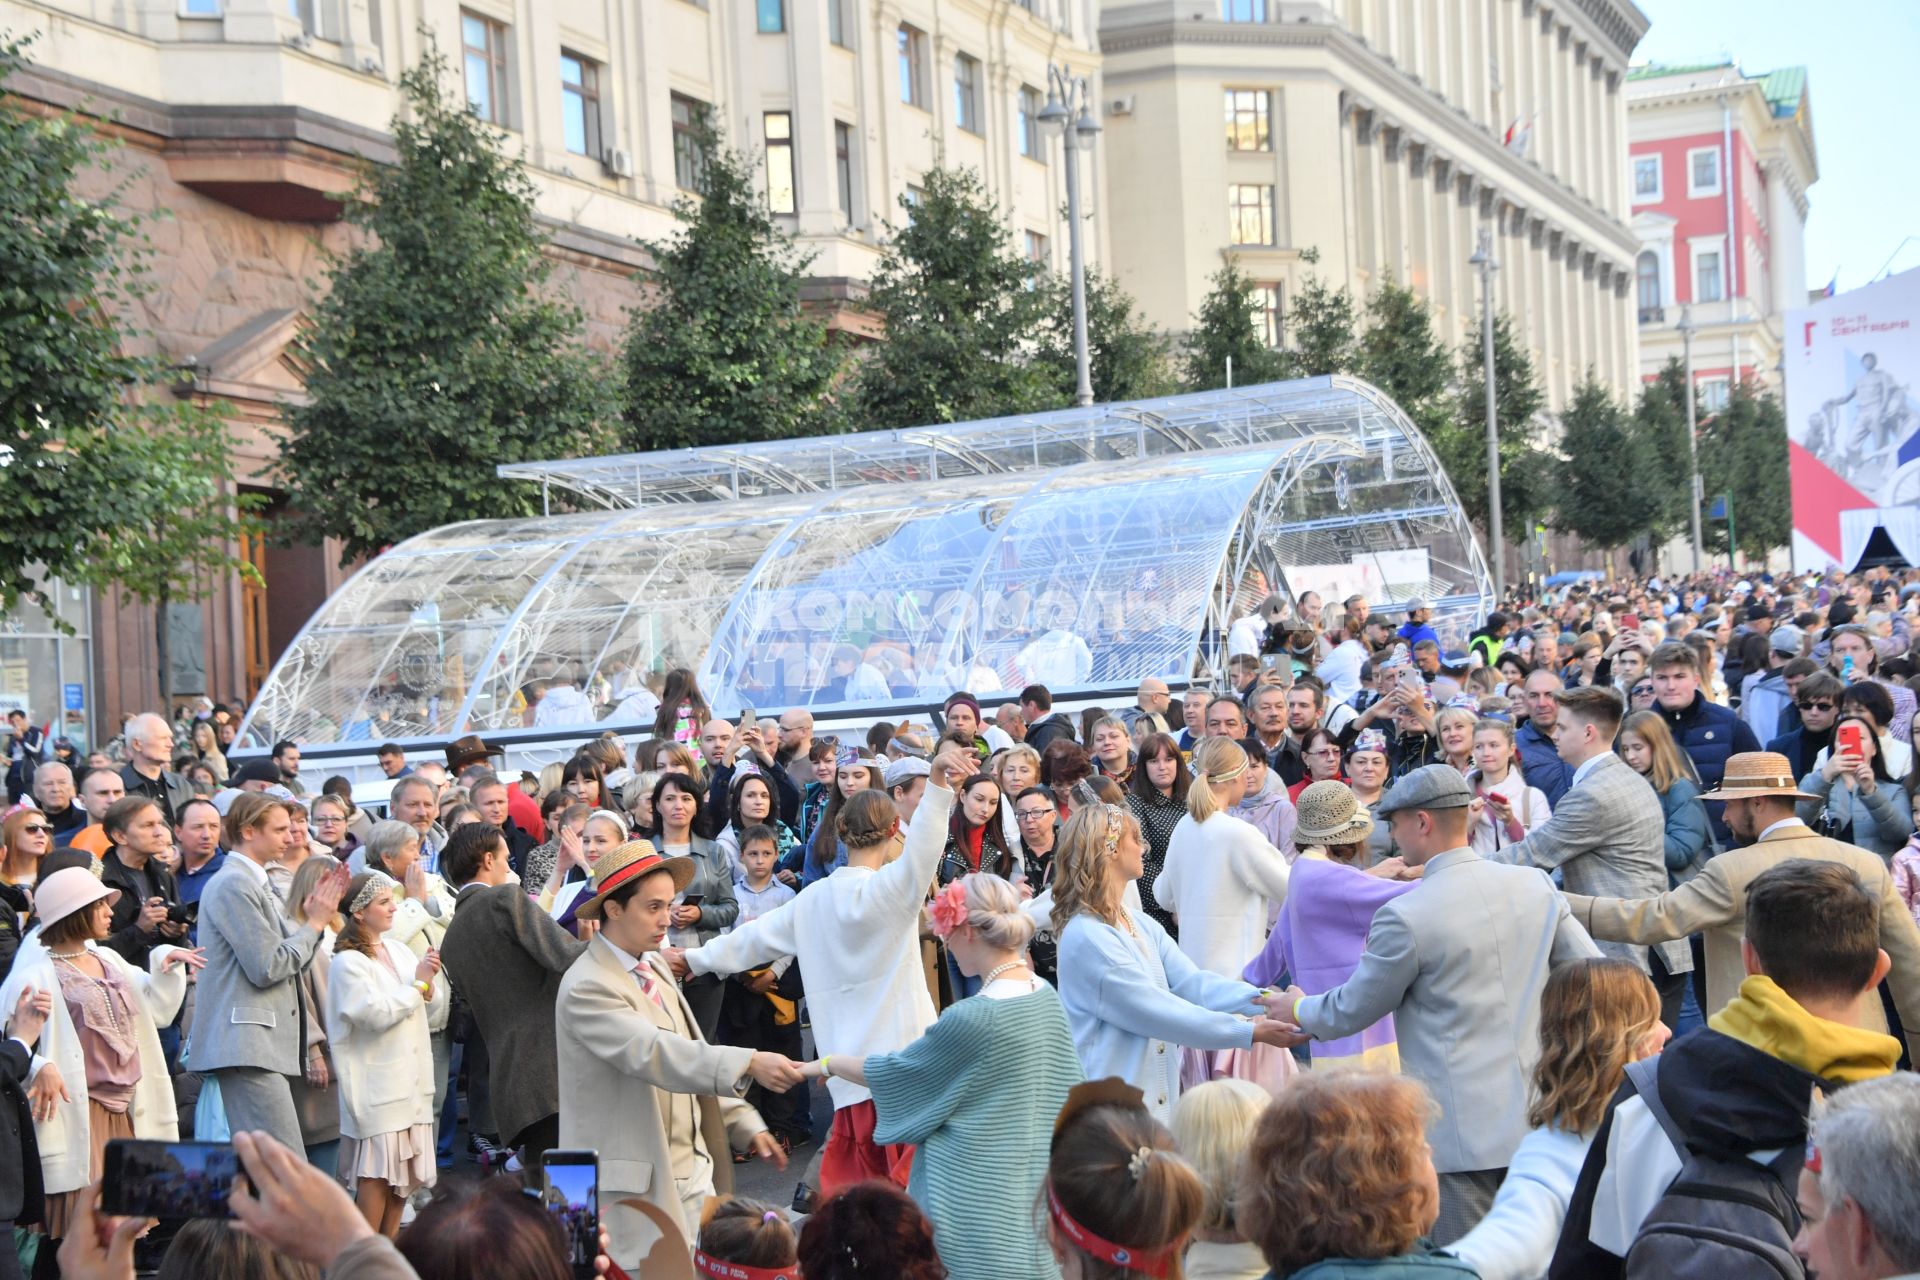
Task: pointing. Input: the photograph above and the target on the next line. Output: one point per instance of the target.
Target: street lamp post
(1686, 330)
(1496, 536)
(1069, 114)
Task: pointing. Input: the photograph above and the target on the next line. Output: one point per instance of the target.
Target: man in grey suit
(1460, 963)
(1608, 833)
(249, 1028)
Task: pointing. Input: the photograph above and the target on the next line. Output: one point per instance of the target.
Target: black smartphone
(573, 1197)
(693, 899)
(152, 1179)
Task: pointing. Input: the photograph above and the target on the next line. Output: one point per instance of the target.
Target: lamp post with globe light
(1069, 114)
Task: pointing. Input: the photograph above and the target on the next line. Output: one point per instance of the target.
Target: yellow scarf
(1767, 1018)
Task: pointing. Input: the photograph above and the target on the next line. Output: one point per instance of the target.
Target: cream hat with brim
(66, 891)
(634, 860)
(1329, 813)
(1752, 774)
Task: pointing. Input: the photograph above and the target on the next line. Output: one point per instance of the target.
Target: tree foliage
(107, 478)
(1322, 331)
(434, 356)
(723, 353)
(1129, 359)
(1461, 443)
(1660, 430)
(1743, 451)
(1225, 329)
(1598, 496)
(1400, 353)
(960, 320)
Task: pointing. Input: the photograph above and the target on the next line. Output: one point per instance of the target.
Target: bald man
(53, 792)
(1150, 703)
(149, 752)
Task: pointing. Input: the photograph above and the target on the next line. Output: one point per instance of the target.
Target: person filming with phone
(1856, 799)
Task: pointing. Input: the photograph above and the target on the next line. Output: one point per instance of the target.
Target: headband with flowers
(378, 882)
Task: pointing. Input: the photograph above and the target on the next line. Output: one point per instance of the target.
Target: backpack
(1721, 1217)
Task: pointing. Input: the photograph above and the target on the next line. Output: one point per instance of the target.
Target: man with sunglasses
(1818, 701)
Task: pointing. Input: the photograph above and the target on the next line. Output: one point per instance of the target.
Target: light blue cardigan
(1130, 1018)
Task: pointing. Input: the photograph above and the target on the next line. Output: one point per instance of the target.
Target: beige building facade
(245, 122)
(1381, 135)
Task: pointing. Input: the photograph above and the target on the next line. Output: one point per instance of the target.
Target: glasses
(1817, 704)
(38, 829)
(1032, 815)
(1643, 691)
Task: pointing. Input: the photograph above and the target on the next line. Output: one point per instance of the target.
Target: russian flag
(1828, 291)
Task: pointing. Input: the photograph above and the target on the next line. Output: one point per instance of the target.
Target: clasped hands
(1278, 1027)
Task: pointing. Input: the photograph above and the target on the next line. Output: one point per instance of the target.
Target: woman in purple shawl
(1322, 930)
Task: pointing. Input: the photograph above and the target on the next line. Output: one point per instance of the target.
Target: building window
(1243, 10)
(484, 52)
(843, 166)
(1029, 122)
(913, 66)
(1249, 120)
(779, 126)
(1250, 213)
(839, 23)
(303, 10)
(1646, 179)
(1269, 313)
(580, 103)
(966, 92)
(1706, 276)
(1703, 171)
(199, 8)
(916, 196)
(772, 15)
(1646, 272)
(1036, 248)
(1713, 394)
(689, 157)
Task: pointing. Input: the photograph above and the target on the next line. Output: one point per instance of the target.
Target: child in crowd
(761, 1006)
(745, 1240)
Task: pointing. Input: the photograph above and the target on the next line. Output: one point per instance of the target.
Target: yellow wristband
(826, 1065)
(426, 989)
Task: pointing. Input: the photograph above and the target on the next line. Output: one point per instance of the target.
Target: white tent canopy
(1856, 531)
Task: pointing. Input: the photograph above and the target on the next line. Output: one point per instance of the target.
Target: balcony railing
(1653, 315)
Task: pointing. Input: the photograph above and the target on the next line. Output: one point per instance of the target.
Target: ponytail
(1214, 760)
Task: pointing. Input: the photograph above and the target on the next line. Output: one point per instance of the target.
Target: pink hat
(66, 891)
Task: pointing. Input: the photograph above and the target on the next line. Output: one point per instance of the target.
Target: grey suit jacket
(505, 956)
(1460, 963)
(247, 1006)
(1607, 837)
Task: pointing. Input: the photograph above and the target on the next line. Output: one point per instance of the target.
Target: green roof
(1654, 70)
(1784, 89)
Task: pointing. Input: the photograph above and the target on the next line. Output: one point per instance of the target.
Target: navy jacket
(1542, 764)
(1709, 733)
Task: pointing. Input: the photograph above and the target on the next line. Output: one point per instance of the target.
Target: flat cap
(1435, 786)
(901, 772)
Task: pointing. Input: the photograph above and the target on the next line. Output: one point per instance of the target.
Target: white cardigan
(1218, 878)
(417, 928)
(66, 1147)
(382, 1053)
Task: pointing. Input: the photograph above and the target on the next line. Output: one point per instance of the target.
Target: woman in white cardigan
(104, 1075)
(379, 1002)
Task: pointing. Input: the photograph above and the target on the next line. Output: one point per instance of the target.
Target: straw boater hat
(1331, 814)
(1753, 774)
(632, 861)
(69, 890)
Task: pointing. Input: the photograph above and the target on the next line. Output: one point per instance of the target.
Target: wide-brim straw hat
(630, 862)
(69, 890)
(1329, 813)
(1753, 774)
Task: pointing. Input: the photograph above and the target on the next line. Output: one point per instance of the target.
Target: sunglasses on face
(1816, 704)
(38, 829)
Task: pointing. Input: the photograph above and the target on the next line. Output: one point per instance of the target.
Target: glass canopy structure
(863, 574)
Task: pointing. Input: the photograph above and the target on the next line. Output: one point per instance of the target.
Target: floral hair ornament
(949, 909)
(720, 1269)
(1114, 819)
(378, 882)
(1369, 740)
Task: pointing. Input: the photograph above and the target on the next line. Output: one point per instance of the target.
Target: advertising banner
(1853, 411)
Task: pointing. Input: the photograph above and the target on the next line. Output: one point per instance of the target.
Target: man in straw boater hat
(1760, 795)
(638, 1083)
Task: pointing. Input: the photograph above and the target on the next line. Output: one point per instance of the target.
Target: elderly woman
(105, 1075)
(423, 910)
(1334, 1143)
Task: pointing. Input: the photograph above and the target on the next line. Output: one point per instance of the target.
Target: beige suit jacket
(636, 1081)
(1714, 904)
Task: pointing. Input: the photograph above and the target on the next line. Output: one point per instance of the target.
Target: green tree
(1129, 358)
(1223, 330)
(1399, 352)
(1743, 451)
(1660, 431)
(1322, 329)
(1461, 443)
(107, 478)
(959, 317)
(724, 353)
(434, 356)
(1598, 496)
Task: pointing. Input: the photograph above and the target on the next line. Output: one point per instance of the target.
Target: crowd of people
(1587, 944)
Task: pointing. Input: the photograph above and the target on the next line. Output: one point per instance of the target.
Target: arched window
(1647, 274)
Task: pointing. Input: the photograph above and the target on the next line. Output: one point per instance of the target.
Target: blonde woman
(379, 1001)
(1133, 998)
(1454, 727)
(980, 1089)
(1212, 1126)
(1017, 769)
(1505, 808)
(1221, 873)
(1647, 746)
(1596, 1016)
(316, 1093)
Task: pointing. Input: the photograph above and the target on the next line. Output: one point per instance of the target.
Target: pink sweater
(1906, 879)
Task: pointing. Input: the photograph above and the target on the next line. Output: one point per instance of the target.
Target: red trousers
(851, 1155)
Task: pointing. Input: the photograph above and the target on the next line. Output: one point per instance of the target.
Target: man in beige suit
(637, 1082)
(1759, 791)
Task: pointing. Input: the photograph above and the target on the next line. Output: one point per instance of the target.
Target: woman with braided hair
(1133, 998)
